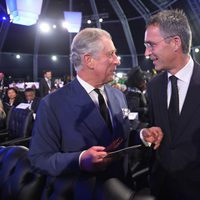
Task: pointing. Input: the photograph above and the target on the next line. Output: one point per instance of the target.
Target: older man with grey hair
(80, 123)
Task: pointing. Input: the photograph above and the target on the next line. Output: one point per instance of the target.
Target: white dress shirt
(184, 75)
(94, 96)
(90, 90)
(48, 83)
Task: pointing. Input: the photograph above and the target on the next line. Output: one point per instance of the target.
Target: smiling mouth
(154, 59)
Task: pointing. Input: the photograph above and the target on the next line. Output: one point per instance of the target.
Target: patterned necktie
(173, 110)
(103, 109)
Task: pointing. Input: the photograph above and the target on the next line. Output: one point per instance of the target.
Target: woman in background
(12, 99)
(2, 116)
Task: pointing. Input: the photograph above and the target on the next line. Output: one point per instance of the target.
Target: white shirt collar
(89, 88)
(186, 72)
(46, 79)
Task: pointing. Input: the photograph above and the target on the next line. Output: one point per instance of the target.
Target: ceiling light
(24, 12)
(101, 20)
(89, 21)
(65, 25)
(18, 56)
(44, 27)
(73, 20)
(54, 58)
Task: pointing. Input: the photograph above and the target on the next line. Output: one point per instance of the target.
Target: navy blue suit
(177, 164)
(69, 122)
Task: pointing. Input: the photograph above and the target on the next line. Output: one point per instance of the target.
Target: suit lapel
(192, 101)
(119, 123)
(112, 102)
(89, 114)
(163, 103)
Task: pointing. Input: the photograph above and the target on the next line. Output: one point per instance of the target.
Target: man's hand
(153, 135)
(93, 159)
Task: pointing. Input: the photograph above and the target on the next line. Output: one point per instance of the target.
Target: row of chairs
(18, 129)
(18, 132)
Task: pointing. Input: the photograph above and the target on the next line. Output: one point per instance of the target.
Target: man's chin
(158, 68)
(111, 78)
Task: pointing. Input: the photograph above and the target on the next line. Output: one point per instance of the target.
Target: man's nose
(148, 52)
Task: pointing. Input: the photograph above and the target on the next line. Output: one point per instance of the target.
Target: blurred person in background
(3, 85)
(136, 93)
(46, 84)
(30, 98)
(2, 116)
(12, 99)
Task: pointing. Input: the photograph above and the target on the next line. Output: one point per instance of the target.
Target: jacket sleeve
(46, 153)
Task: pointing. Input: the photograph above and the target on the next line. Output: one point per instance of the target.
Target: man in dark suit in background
(174, 105)
(46, 84)
(72, 132)
(30, 96)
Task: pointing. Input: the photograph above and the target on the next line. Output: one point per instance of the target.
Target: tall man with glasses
(174, 104)
(77, 125)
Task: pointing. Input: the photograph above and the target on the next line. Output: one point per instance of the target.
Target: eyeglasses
(152, 45)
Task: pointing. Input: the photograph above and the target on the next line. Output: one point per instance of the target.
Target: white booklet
(123, 152)
(23, 106)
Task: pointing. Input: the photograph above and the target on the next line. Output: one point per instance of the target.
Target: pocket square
(125, 112)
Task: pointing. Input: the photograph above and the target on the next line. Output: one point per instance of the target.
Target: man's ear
(177, 43)
(88, 60)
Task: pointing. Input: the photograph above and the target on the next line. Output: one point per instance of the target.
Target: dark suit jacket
(177, 159)
(137, 103)
(69, 122)
(44, 88)
(35, 104)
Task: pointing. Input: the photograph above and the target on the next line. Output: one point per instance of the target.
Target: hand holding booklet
(113, 153)
(123, 152)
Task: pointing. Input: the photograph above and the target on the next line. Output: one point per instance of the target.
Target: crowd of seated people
(12, 93)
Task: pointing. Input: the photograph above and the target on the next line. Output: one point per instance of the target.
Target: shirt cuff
(79, 160)
(147, 144)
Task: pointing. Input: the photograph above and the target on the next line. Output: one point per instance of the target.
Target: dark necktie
(103, 109)
(173, 110)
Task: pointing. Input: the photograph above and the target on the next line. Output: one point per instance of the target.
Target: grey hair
(173, 23)
(86, 41)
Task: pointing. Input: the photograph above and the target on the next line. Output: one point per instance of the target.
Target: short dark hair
(173, 23)
(30, 90)
(45, 71)
(135, 77)
(12, 88)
